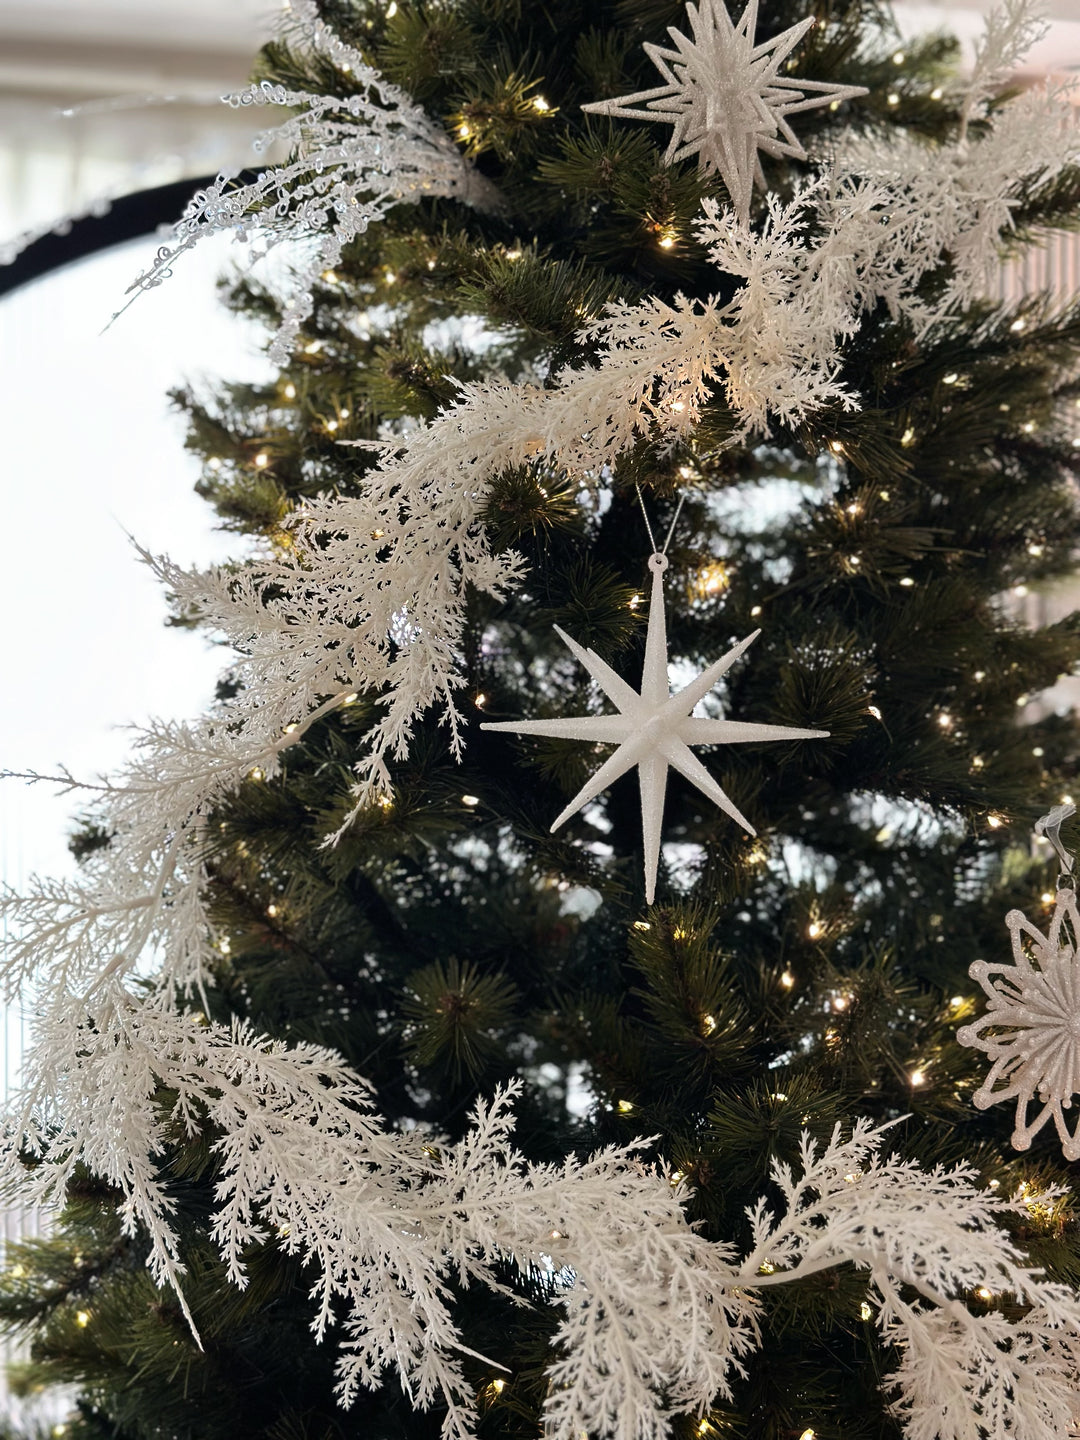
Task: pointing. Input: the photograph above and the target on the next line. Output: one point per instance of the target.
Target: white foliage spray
(351, 159)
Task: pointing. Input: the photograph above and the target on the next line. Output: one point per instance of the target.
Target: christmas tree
(524, 1005)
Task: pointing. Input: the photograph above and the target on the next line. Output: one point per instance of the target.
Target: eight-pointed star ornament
(725, 97)
(654, 729)
(1031, 1028)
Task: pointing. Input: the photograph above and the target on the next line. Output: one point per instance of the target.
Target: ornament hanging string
(1049, 827)
(671, 528)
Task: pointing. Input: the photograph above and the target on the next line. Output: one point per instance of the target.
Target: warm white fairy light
(471, 800)
(290, 391)
(787, 979)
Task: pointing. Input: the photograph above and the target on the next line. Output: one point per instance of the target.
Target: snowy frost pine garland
(648, 1308)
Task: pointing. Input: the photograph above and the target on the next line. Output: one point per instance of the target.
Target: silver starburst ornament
(654, 729)
(1031, 1029)
(725, 97)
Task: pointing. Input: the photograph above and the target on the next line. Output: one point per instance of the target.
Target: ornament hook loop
(1049, 826)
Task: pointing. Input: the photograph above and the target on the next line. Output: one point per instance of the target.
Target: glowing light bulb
(899, 58)
(908, 437)
(471, 800)
(950, 379)
(82, 1318)
(977, 762)
(917, 1078)
(539, 103)
(708, 1024)
(865, 1312)
(755, 611)
(480, 701)
(625, 1107)
(815, 929)
(787, 979)
(984, 1293)
(391, 9)
(874, 711)
(290, 391)
(262, 459)
(936, 93)
(271, 910)
(994, 821)
(894, 98)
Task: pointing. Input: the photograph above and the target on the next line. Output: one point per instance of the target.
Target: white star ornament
(725, 97)
(654, 729)
(1031, 1029)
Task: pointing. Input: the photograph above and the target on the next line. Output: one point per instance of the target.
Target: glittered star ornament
(1031, 1028)
(654, 729)
(725, 97)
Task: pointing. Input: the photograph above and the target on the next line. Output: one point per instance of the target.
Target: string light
(1038, 752)
(815, 929)
(82, 1318)
(945, 720)
(350, 699)
(908, 437)
(668, 236)
(313, 347)
(950, 379)
(907, 582)
(865, 1313)
(983, 1293)
(272, 911)
(712, 579)
(391, 9)
(539, 103)
(262, 459)
(471, 800)
(994, 821)
(634, 602)
(256, 774)
(480, 701)
(899, 58)
(385, 802)
(917, 1078)
(290, 391)
(708, 1024)
(1017, 326)
(787, 979)
(979, 675)
(885, 495)
(642, 925)
(755, 611)
(936, 93)
(625, 1107)
(510, 255)
(224, 946)
(894, 98)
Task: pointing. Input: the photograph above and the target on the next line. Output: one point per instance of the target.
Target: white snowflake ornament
(1031, 1029)
(725, 97)
(654, 729)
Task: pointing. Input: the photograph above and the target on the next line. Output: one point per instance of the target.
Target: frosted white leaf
(351, 159)
(962, 1376)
